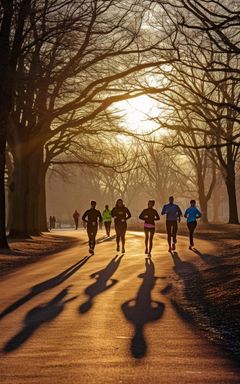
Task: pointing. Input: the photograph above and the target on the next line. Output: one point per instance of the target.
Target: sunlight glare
(138, 113)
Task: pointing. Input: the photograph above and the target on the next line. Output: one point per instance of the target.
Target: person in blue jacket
(173, 216)
(192, 214)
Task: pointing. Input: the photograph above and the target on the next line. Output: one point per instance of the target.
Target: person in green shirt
(107, 219)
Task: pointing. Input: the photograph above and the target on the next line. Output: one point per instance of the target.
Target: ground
(114, 318)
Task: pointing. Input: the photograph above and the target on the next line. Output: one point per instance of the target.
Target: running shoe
(146, 251)
(173, 246)
(118, 248)
(169, 249)
(123, 250)
(190, 247)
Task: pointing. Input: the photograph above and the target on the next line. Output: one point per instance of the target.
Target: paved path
(76, 319)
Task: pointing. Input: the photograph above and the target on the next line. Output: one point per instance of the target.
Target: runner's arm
(100, 217)
(164, 210)
(128, 214)
(199, 214)
(179, 212)
(84, 217)
(113, 213)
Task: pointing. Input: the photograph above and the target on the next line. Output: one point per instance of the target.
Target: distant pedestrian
(107, 219)
(50, 223)
(92, 217)
(54, 222)
(149, 215)
(121, 214)
(192, 214)
(76, 218)
(173, 216)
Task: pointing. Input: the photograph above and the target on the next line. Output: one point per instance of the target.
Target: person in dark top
(92, 217)
(54, 222)
(149, 215)
(173, 215)
(50, 223)
(120, 214)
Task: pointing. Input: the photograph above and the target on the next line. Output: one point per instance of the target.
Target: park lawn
(25, 251)
(206, 293)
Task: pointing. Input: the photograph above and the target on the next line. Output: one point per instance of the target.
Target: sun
(138, 114)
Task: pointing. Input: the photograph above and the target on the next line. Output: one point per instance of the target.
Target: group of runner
(93, 218)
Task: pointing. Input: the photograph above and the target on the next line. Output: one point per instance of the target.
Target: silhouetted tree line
(64, 63)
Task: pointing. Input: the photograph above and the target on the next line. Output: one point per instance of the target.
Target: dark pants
(120, 234)
(191, 227)
(172, 228)
(107, 225)
(149, 233)
(92, 232)
(76, 223)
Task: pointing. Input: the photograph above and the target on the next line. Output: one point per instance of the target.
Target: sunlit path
(71, 318)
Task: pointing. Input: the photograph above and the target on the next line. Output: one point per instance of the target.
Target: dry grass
(25, 251)
(207, 293)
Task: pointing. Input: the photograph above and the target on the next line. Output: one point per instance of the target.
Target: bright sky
(135, 111)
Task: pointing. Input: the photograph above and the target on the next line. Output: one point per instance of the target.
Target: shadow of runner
(200, 309)
(105, 239)
(102, 283)
(36, 317)
(208, 259)
(45, 285)
(142, 310)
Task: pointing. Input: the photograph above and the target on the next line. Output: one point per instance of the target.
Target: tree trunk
(5, 106)
(232, 198)
(28, 193)
(3, 239)
(204, 209)
(203, 201)
(215, 206)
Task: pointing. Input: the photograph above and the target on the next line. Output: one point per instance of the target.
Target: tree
(204, 178)
(10, 45)
(70, 70)
(163, 172)
(204, 94)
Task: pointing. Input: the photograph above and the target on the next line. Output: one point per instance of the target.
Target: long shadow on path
(142, 310)
(45, 285)
(200, 308)
(103, 282)
(208, 259)
(105, 239)
(36, 317)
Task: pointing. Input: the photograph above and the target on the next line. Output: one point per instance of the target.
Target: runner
(192, 214)
(120, 214)
(107, 219)
(149, 215)
(92, 217)
(173, 213)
